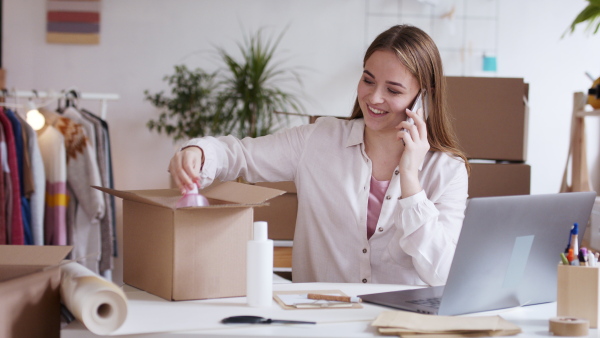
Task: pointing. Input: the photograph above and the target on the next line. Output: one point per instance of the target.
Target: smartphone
(418, 104)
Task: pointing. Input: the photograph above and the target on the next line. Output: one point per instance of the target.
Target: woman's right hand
(185, 167)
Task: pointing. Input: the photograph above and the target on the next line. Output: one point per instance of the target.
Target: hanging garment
(54, 157)
(93, 130)
(15, 225)
(37, 194)
(87, 203)
(21, 154)
(4, 176)
(107, 229)
(27, 184)
(111, 183)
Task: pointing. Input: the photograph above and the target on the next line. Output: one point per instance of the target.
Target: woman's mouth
(376, 111)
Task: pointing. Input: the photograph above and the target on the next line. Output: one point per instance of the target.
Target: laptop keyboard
(431, 302)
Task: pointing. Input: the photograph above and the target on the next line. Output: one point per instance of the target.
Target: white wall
(141, 41)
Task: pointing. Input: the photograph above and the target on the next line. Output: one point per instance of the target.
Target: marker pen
(582, 256)
(571, 256)
(569, 242)
(564, 259)
(591, 259)
(574, 241)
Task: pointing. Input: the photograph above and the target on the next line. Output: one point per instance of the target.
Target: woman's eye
(367, 81)
(395, 92)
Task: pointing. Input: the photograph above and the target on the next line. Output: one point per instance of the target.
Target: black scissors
(259, 320)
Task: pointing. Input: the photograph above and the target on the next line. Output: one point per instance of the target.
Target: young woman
(380, 199)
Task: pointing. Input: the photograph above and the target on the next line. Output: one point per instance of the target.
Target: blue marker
(574, 243)
(569, 243)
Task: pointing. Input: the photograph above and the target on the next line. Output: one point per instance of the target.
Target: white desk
(151, 316)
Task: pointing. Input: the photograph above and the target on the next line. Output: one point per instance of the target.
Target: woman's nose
(376, 96)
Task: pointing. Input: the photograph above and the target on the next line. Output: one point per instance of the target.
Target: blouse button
(364, 280)
(364, 250)
(396, 172)
(388, 197)
(380, 229)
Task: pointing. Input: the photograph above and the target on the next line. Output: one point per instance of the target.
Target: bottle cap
(194, 189)
(260, 231)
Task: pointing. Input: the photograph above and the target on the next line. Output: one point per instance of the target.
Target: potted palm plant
(239, 98)
(591, 15)
(190, 110)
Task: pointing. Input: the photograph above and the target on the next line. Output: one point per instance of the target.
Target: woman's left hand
(416, 147)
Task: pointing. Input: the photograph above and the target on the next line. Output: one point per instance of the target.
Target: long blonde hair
(419, 54)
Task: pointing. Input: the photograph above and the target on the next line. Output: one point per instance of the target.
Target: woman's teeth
(377, 111)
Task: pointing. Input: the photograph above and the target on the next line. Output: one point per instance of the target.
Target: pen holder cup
(578, 292)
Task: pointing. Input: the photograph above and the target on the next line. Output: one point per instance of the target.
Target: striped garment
(52, 148)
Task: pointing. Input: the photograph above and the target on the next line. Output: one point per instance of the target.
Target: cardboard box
(189, 253)
(30, 290)
(490, 116)
(281, 212)
(493, 179)
(578, 293)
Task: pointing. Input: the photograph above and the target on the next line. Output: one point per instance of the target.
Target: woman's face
(385, 90)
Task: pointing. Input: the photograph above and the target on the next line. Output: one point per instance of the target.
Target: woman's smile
(376, 111)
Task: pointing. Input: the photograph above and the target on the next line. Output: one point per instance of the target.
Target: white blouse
(416, 237)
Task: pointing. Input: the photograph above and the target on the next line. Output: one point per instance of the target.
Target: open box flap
(37, 255)
(240, 193)
(236, 193)
(288, 186)
(158, 197)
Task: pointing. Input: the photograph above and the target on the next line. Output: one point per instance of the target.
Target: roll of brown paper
(96, 302)
(566, 326)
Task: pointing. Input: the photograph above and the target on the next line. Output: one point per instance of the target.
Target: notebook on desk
(506, 256)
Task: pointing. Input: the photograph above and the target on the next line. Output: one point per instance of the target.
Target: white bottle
(259, 268)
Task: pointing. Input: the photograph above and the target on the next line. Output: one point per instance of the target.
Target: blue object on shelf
(489, 63)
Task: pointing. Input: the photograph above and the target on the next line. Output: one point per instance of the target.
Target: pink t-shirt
(378, 189)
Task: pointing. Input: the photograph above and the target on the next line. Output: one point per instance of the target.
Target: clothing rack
(98, 259)
(70, 94)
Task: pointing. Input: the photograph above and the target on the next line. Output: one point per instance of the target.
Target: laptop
(506, 256)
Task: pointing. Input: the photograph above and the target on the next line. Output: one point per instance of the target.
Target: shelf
(584, 113)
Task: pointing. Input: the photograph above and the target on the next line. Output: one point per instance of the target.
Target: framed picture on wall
(73, 22)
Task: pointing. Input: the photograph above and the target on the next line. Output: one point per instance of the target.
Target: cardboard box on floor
(30, 290)
(189, 253)
(499, 179)
(490, 116)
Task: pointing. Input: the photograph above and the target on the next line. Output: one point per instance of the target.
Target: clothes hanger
(72, 97)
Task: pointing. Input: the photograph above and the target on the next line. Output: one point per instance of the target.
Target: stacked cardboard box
(281, 212)
(490, 118)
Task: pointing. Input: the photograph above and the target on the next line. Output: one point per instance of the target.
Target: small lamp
(35, 119)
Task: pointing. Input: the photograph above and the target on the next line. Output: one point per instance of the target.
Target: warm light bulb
(35, 119)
